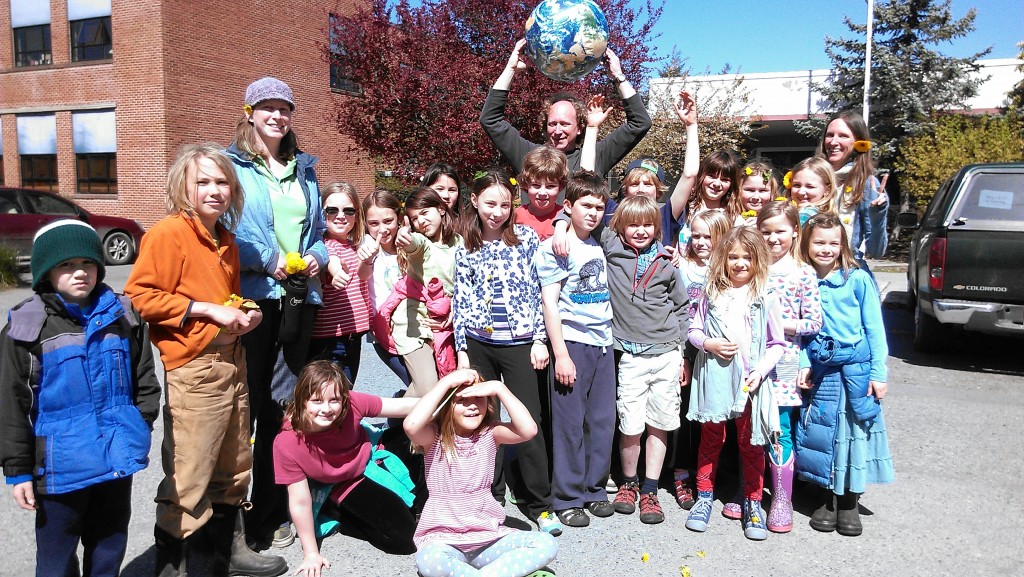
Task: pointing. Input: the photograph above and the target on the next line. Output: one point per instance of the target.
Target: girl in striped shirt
(345, 316)
(461, 529)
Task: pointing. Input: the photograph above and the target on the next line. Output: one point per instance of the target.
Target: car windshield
(993, 196)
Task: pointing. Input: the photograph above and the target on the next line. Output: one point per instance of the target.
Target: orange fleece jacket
(179, 263)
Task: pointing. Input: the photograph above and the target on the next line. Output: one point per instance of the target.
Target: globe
(566, 39)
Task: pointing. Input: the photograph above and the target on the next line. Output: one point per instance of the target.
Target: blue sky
(759, 36)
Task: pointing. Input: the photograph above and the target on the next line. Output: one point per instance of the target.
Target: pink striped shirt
(346, 311)
(461, 511)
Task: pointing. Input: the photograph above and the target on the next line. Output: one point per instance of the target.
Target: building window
(340, 81)
(39, 171)
(32, 45)
(90, 39)
(97, 173)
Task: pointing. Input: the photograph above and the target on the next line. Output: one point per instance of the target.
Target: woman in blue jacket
(282, 215)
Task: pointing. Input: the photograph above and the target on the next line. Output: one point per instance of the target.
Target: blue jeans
(394, 362)
(97, 516)
(344, 350)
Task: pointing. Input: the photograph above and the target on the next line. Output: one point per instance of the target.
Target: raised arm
(686, 110)
(505, 137)
(623, 139)
(596, 114)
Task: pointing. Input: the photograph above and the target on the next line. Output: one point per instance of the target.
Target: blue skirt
(861, 453)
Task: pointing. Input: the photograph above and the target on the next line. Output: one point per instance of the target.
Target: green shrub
(927, 160)
(8, 267)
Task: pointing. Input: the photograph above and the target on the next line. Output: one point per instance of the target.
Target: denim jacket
(473, 289)
(257, 242)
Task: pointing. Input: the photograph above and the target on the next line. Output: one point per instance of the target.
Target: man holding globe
(564, 119)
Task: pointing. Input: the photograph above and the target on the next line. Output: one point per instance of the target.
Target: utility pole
(867, 63)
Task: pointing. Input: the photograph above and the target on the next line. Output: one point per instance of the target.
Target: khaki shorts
(648, 392)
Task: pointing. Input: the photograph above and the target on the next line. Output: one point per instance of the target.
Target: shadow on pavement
(967, 351)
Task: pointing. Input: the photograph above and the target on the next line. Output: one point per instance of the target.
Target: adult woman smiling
(282, 215)
(861, 202)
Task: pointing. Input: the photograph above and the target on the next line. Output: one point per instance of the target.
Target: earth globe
(566, 39)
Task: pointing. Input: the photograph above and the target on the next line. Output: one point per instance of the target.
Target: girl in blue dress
(841, 441)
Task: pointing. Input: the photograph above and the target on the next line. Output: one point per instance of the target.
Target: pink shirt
(346, 311)
(461, 511)
(337, 456)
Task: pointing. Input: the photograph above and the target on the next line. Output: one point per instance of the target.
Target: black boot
(231, 555)
(824, 517)
(171, 555)
(848, 521)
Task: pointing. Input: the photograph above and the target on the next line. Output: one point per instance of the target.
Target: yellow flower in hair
(748, 171)
(781, 198)
(293, 263)
(749, 214)
(787, 180)
(247, 109)
(513, 182)
(862, 145)
(849, 189)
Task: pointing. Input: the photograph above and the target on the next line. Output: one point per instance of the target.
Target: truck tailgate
(984, 265)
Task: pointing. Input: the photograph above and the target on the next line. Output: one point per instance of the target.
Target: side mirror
(907, 220)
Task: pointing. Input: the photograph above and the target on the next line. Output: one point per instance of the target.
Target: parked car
(967, 256)
(23, 211)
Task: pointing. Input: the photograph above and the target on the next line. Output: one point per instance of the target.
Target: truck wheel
(929, 334)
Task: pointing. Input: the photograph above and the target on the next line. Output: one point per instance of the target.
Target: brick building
(96, 96)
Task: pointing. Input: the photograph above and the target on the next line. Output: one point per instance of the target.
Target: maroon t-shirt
(337, 457)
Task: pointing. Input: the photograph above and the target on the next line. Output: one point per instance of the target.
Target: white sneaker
(610, 486)
(549, 524)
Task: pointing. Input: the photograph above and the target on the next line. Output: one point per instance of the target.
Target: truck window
(992, 196)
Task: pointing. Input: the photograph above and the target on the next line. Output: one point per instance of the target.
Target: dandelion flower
(293, 263)
(684, 571)
(645, 558)
(702, 554)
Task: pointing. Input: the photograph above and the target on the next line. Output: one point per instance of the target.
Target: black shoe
(574, 517)
(601, 508)
(824, 517)
(848, 515)
(232, 555)
(171, 555)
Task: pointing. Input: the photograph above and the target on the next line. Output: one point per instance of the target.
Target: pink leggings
(712, 437)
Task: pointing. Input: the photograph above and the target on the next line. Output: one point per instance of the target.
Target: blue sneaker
(753, 521)
(700, 514)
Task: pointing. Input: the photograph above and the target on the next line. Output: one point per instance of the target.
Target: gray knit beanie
(62, 240)
(268, 88)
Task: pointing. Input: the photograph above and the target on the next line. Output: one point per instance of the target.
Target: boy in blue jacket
(78, 396)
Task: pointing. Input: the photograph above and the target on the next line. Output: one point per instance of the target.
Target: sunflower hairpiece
(247, 109)
(787, 180)
(862, 145)
(513, 182)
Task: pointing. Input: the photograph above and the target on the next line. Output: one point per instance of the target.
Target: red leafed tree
(424, 72)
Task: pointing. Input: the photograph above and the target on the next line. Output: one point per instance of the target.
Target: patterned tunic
(796, 288)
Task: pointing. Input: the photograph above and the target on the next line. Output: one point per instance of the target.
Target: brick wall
(178, 76)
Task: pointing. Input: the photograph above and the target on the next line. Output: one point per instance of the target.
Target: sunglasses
(332, 211)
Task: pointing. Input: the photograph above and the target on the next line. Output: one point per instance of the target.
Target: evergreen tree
(910, 78)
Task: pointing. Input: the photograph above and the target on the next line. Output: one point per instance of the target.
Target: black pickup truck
(967, 258)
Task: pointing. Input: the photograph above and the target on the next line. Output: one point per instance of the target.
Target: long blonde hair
(749, 239)
(718, 225)
(179, 199)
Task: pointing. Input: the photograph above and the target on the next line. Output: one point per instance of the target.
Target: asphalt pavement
(955, 422)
